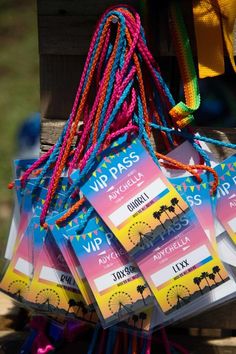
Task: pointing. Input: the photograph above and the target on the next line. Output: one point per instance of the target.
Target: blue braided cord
(120, 49)
(202, 152)
(94, 340)
(52, 157)
(144, 134)
(101, 139)
(161, 114)
(101, 26)
(194, 137)
(165, 87)
(118, 56)
(60, 139)
(122, 57)
(117, 14)
(142, 32)
(85, 220)
(106, 128)
(171, 100)
(109, 50)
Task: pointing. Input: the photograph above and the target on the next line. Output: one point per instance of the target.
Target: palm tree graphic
(71, 303)
(197, 281)
(135, 320)
(142, 317)
(140, 290)
(157, 215)
(212, 277)
(172, 210)
(175, 201)
(204, 275)
(163, 209)
(216, 270)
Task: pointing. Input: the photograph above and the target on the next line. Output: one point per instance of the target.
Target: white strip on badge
(24, 267)
(145, 196)
(116, 276)
(181, 265)
(57, 276)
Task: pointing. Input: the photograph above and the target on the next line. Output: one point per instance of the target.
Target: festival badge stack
(100, 234)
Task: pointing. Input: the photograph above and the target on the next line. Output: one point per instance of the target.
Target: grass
(19, 87)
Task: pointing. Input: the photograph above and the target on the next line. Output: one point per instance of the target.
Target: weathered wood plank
(51, 129)
(68, 35)
(75, 7)
(71, 35)
(201, 345)
(222, 134)
(59, 79)
(220, 317)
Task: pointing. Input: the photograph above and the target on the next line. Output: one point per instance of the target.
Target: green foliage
(19, 87)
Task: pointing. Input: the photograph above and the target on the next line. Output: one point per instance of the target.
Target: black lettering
(114, 277)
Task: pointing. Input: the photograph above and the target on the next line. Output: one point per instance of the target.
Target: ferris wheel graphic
(140, 234)
(178, 295)
(120, 302)
(18, 288)
(48, 297)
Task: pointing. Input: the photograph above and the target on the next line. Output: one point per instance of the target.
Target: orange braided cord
(71, 211)
(105, 85)
(80, 109)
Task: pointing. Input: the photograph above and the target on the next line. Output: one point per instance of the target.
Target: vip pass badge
(154, 224)
(117, 285)
(133, 197)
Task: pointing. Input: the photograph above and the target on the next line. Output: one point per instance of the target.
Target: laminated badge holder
(108, 104)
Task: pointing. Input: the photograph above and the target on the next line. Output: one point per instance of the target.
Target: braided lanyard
(91, 54)
(120, 90)
(93, 150)
(143, 134)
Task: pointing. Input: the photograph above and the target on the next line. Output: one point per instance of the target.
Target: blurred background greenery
(19, 87)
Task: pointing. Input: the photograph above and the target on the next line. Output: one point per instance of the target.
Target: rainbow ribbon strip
(182, 112)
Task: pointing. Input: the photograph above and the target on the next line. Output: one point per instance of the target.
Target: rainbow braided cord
(182, 112)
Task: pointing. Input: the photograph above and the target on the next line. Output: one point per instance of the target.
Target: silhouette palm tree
(163, 209)
(197, 281)
(172, 210)
(18, 295)
(157, 215)
(216, 270)
(142, 317)
(71, 303)
(175, 201)
(212, 277)
(135, 320)
(140, 290)
(204, 275)
(79, 305)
